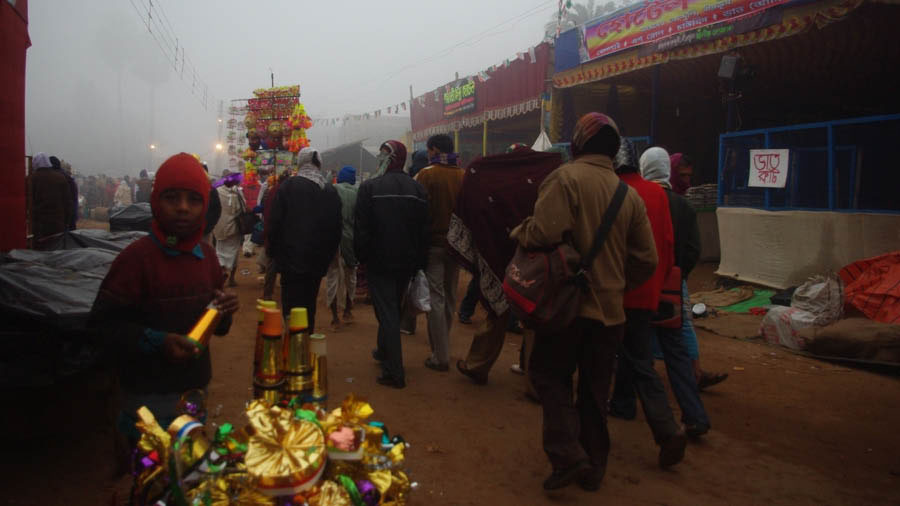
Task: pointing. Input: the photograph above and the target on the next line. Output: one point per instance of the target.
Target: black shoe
(696, 430)
(516, 329)
(708, 379)
(379, 357)
(434, 365)
(390, 381)
(476, 378)
(564, 477)
(465, 319)
(671, 451)
(592, 479)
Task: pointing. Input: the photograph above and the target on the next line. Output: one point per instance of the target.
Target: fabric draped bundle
(498, 192)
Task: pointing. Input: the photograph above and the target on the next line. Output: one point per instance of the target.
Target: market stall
(272, 126)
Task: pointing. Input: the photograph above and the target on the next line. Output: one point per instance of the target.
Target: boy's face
(180, 212)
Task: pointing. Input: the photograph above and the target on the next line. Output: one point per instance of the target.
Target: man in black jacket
(390, 237)
(304, 233)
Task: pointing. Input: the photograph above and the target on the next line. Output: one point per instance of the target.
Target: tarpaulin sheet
(57, 287)
(94, 238)
(135, 217)
(873, 287)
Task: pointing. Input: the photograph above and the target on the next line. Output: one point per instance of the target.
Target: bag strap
(609, 218)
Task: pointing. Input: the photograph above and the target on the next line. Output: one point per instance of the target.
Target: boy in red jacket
(154, 293)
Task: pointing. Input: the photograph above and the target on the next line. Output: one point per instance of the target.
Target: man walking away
(341, 279)
(635, 370)
(390, 238)
(144, 187)
(442, 181)
(304, 231)
(228, 237)
(679, 346)
(571, 202)
(51, 203)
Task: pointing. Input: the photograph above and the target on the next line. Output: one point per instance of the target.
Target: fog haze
(100, 90)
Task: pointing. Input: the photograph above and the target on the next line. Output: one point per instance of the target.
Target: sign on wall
(769, 167)
(651, 21)
(459, 99)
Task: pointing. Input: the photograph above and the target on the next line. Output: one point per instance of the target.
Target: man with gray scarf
(304, 231)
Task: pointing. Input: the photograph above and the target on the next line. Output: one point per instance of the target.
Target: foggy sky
(99, 90)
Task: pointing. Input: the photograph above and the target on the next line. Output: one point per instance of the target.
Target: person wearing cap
(303, 230)
(155, 291)
(571, 203)
(340, 282)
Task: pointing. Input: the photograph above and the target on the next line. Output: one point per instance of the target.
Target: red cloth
(14, 42)
(655, 200)
(873, 287)
(183, 172)
(398, 155)
(508, 85)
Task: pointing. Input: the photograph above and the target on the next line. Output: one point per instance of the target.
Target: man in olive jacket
(572, 201)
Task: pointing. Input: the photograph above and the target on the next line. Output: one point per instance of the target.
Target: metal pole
(456, 140)
(484, 139)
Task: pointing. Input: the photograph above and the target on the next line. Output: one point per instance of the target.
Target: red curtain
(14, 42)
(508, 85)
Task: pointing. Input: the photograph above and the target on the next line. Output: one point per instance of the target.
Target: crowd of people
(436, 217)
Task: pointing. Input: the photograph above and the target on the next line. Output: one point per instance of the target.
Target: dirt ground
(786, 429)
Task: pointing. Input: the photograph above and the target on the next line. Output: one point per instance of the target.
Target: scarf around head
(679, 186)
(41, 161)
(655, 166)
(587, 127)
(445, 159)
(626, 159)
(393, 160)
(308, 170)
(182, 172)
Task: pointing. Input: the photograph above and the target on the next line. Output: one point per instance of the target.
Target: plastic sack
(781, 326)
(822, 297)
(92, 238)
(418, 294)
(134, 217)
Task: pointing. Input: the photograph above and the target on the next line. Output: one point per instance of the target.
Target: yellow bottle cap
(299, 319)
(260, 304)
(268, 304)
(272, 322)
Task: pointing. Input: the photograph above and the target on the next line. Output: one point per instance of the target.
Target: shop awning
(504, 91)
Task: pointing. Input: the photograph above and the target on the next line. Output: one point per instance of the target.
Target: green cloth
(760, 298)
(347, 193)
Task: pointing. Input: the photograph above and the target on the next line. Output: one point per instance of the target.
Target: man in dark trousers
(304, 233)
(571, 203)
(635, 370)
(391, 237)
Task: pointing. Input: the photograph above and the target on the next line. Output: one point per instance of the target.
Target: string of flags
(392, 110)
(481, 76)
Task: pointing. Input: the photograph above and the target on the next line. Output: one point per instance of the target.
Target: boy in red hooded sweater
(154, 293)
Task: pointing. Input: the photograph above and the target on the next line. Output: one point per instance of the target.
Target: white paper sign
(768, 167)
